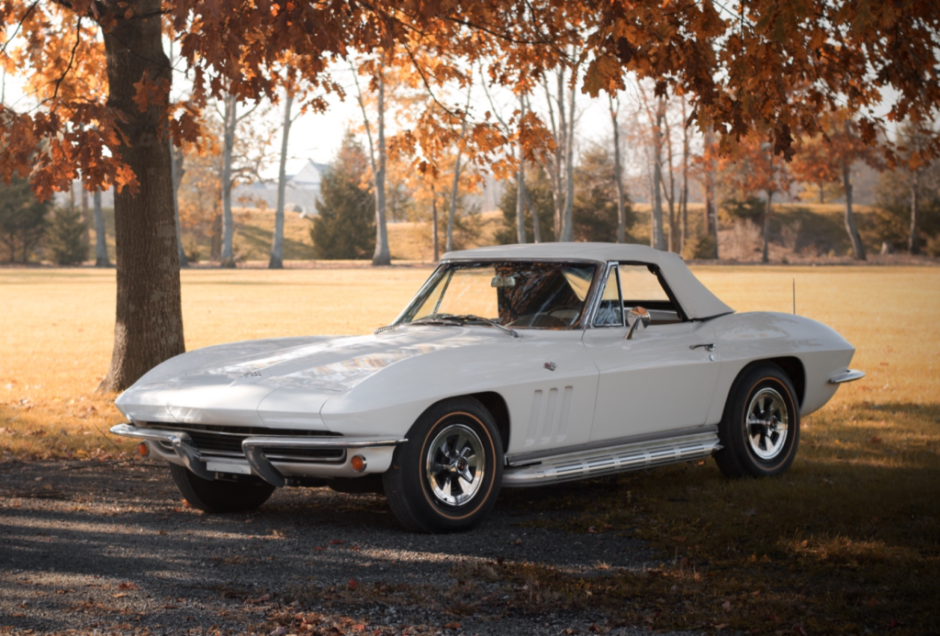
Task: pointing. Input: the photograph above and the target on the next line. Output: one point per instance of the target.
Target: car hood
(280, 382)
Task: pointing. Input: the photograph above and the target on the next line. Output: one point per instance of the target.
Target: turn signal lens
(142, 449)
(358, 463)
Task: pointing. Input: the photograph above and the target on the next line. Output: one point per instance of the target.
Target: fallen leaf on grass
(452, 626)
(119, 595)
(337, 541)
(352, 584)
(127, 586)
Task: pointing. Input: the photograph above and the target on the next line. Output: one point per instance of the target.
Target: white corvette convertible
(513, 366)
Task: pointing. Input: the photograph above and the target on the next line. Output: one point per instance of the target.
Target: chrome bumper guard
(253, 448)
(849, 375)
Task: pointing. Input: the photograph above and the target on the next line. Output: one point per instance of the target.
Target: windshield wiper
(436, 319)
(464, 318)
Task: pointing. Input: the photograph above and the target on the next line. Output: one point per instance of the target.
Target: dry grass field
(847, 542)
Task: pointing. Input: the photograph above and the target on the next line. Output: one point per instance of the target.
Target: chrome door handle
(707, 347)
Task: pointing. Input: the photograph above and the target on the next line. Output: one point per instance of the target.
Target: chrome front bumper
(253, 447)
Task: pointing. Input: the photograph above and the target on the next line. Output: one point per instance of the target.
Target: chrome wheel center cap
(454, 465)
(766, 423)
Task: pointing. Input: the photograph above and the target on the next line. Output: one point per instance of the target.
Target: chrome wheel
(455, 465)
(767, 423)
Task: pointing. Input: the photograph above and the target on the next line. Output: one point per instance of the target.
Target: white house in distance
(300, 195)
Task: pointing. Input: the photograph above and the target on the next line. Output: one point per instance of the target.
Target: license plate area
(228, 467)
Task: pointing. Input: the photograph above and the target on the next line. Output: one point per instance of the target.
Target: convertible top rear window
(526, 295)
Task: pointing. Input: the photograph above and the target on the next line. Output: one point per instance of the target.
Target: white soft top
(697, 302)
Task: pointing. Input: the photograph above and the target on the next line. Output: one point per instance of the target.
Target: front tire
(220, 496)
(760, 429)
(447, 476)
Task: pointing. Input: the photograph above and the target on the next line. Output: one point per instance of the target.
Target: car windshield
(510, 294)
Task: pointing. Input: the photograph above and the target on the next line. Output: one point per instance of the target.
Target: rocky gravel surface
(101, 548)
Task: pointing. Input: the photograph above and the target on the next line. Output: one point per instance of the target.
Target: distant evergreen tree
(595, 202)
(22, 219)
(65, 238)
(595, 198)
(345, 223)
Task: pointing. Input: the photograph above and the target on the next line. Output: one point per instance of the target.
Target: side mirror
(635, 317)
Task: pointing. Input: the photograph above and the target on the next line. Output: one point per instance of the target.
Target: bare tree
(522, 196)
(277, 240)
(711, 197)
(618, 169)
(671, 193)
(377, 154)
(101, 245)
(520, 179)
(657, 120)
(684, 193)
(231, 173)
(560, 164)
(456, 187)
(912, 246)
(177, 171)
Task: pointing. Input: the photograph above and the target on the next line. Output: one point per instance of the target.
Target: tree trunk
(561, 142)
(912, 245)
(101, 245)
(434, 240)
(277, 241)
(382, 255)
(684, 195)
(149, 322)
(176, 161)
(618, 175)
(452, 212)
(455, 190)
(765, 255)
(567, 225)
(86, 215)
(520, 182)
(858, 248)
(711, 199)
(671, 195)
(657, 238)
(230, 120)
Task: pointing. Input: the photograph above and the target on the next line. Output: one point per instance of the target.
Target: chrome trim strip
(570, 451)
(613, 460)
(849, 375)
(181, 442)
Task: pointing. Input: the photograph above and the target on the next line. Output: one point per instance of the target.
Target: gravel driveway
(89, 547)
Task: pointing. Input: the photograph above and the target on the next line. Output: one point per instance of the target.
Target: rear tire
(220, 496)
(760, 429)
(447, 476)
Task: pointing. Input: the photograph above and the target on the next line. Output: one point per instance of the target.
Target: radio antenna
(794, 296)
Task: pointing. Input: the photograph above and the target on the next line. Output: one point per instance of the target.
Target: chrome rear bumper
(849, 375)
(253, 447)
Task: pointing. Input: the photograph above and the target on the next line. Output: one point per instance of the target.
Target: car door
(663, 378)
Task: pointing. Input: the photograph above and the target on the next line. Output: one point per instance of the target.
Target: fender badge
(550, 366)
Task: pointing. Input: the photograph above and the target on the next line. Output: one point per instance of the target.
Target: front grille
(214, 440)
